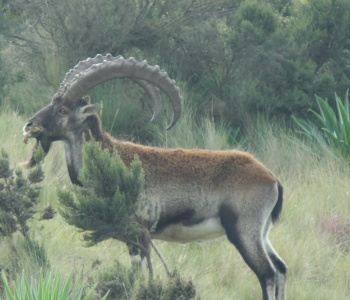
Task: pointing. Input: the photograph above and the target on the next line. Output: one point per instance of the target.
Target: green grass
(47, 287)
(316, 189)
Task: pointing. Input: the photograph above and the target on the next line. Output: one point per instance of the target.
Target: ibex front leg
(140, 254)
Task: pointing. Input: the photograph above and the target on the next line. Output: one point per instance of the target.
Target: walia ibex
(194, 195)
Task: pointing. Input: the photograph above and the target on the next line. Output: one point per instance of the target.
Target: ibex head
(67, 116)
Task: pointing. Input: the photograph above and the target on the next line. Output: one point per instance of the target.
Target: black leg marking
(278, 263)
(182, 217)
(249, 243)
(281, 269)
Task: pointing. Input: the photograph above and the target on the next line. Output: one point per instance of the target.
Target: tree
(105, 206)
(236, 57)
(321, 29)
(18, 196)
(18, 200)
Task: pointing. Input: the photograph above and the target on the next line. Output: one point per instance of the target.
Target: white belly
(207, 230)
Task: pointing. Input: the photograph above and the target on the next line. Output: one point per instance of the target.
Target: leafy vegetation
(176, 289)
(120, 282)
(18, 195)
(334, 125)
(18, 204)
(48, 287)
(105, 206)
(237, 58)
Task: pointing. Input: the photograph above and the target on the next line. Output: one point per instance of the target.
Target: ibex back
(194, 194)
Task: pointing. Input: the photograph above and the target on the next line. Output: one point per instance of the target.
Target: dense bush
(118, 281)
(176, 289)
(18, 196)
(236, 57)
(124, 283)
(18, 204)
(104, 207)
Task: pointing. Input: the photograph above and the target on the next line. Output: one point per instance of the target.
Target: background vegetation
(245, 68)
(236, 58)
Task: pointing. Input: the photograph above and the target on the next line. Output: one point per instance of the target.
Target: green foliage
(49, 287)
(334, 125)
(320, 29)
(327, 32)
(109, 198)
(18, 195)
(236, 57)
(118, 281)
(2, 81)
(176, 289)
(36, 252)
(257, 18)
(124, 283)
(18, 204)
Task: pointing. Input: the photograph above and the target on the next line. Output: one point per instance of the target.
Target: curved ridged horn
(155, 96)
(94, 71)
(86, 64)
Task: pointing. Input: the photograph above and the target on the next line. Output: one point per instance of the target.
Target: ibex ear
(87, 110)
(87, 99)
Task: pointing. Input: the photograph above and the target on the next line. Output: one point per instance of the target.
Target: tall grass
(316, 201)
(193, 132)
(48, 287)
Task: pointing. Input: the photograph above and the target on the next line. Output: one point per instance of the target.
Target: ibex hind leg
(246, 235)
(281, 270)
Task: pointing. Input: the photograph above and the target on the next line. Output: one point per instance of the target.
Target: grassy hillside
(312, 236)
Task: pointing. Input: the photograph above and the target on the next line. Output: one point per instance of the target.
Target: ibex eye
(62, 111)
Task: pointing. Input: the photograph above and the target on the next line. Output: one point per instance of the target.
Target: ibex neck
(74, 146)
(99, 135)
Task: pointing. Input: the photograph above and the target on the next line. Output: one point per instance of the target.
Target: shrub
(123, 283)
(18, 196)
(50, 287)
(104, 206)
(18, 199)
(118, 281)
(335, 126)
(176, 289)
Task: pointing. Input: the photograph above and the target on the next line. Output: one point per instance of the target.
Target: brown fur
(217, 168)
